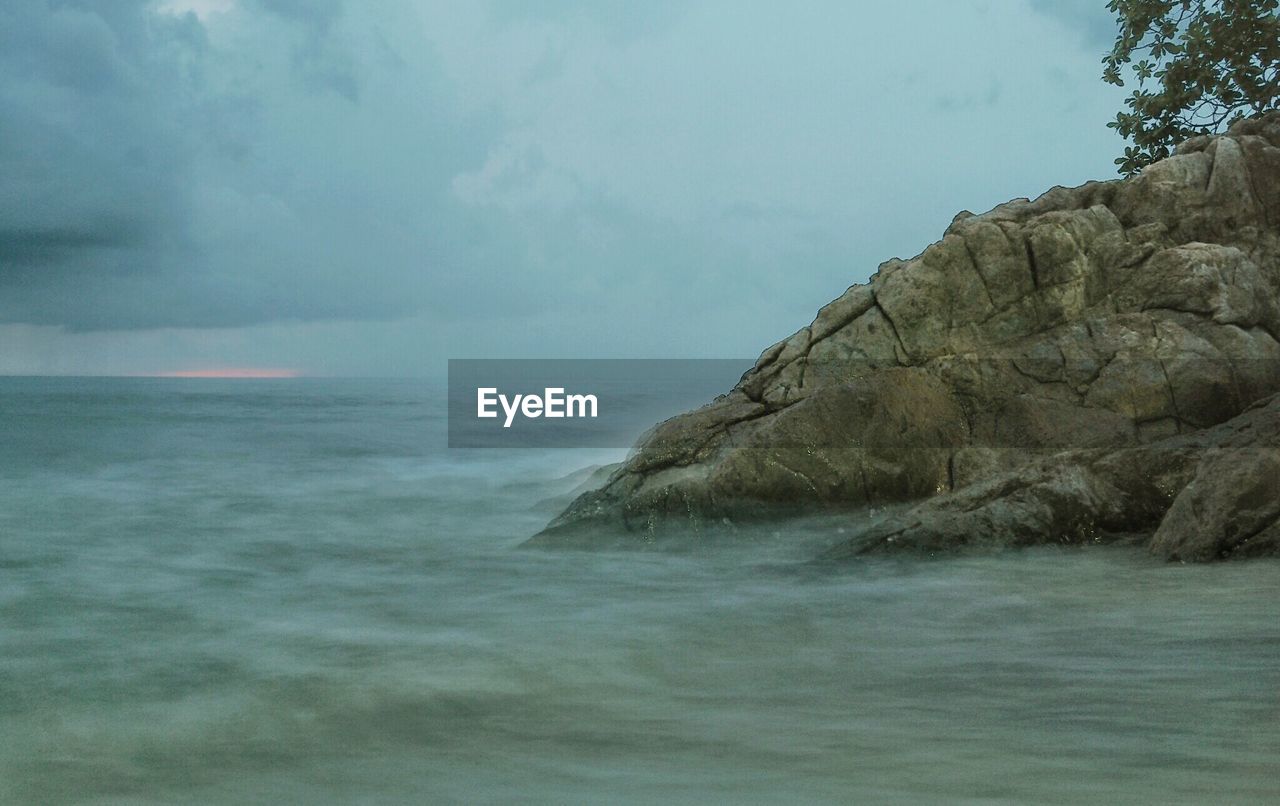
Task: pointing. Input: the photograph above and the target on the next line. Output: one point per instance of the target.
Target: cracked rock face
(1038, 346)
(1206, 495)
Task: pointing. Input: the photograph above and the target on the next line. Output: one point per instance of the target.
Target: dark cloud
(95, 103)
(30, 246)
(144, 185)
(476, 168)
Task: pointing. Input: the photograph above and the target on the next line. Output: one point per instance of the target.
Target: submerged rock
(1077, 367)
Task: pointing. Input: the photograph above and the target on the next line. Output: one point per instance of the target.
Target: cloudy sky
(343, 188)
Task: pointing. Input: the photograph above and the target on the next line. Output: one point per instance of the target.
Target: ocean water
(292, 592)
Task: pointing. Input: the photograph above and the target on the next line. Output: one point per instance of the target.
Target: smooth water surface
(291, 592)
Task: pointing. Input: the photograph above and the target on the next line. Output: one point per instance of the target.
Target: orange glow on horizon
(231, 372)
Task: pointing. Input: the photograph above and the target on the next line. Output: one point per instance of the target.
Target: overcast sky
(369, 188)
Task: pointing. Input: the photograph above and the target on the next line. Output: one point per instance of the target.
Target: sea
(293, 591)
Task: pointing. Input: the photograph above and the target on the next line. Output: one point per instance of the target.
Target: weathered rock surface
(1052, 370)
(1209, 495)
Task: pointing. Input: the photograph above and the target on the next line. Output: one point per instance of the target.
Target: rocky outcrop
(1052, 370)
(1209, 495)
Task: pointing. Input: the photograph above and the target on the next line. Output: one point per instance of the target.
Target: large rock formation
(1053, 370)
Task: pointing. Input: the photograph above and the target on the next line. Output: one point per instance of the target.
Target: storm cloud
(531, 171)
(151, 179)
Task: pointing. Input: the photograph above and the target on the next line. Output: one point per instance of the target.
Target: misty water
(292, 592)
